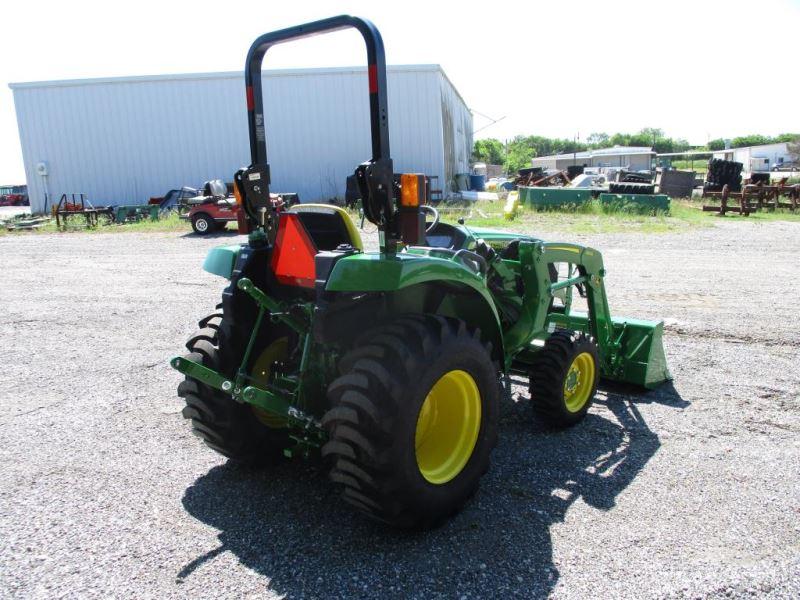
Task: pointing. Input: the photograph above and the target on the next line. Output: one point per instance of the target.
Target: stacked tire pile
(621, 187)
(723, 172)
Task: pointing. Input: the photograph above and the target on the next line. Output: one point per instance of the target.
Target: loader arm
(630, 350)
(539, 289)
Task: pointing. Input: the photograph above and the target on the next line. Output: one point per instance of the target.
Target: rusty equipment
(78, 205)
(535, 177)
(754, 197)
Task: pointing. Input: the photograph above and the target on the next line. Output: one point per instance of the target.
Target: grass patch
(763, 215)
(699, 165)
(592, 217)
(595, 217)
(171, 222)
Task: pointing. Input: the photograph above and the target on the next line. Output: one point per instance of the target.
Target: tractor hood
(495, 234)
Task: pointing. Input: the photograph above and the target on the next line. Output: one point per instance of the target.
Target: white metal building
(771, 155)
(634, 158)
(122, 140)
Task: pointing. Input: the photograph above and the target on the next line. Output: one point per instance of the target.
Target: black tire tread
(365, 400)
(223, 424)
(547, 373)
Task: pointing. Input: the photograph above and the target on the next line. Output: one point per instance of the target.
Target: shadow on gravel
(225, 233)
(287, 523)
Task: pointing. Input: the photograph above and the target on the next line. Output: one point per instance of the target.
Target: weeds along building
(123, 140)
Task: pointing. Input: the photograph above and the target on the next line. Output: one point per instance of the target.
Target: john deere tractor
(389, 365)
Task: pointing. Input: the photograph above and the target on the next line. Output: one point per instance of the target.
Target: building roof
(418, 68)
(615, 151)
(626, 150)
(750, 147)
(686, 153)
(214, 75)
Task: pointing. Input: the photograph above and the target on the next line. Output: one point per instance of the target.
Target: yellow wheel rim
(447, 427)
(579, 382)
(262, 369)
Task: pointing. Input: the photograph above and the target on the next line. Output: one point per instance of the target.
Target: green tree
(490, 151)
(620, 139)
(520, 153)
(598, 140)
(717, 144)
(787, 137)
(750, 140)
(640, 139)
(653, 134)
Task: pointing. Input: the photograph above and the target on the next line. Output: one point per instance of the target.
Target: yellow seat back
(329, 225)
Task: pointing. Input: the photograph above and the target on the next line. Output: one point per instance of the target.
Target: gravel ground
(688, 491)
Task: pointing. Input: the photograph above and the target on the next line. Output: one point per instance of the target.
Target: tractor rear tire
(413, 420)
(225, 425)
(563, 378)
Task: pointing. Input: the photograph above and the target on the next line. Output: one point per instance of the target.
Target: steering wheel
(434, 212)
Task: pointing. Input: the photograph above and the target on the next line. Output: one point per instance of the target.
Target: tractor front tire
(413, 420)
(230, 428)
(563, 377)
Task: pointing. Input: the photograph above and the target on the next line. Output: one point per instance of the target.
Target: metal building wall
(124, 140)
(456, 127)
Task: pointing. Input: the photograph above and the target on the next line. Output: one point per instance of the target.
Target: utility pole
(575, 139)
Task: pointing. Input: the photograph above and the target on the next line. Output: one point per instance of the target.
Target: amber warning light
(411, 219)
(412, 190)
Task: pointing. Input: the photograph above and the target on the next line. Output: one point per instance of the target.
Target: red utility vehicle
(215, 209)
(213, 215)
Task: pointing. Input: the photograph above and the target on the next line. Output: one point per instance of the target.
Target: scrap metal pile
(536, 177)
(632, 191)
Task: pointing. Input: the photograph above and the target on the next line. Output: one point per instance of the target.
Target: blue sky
(550, 68)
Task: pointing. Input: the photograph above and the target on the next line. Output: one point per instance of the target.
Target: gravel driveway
(688, 491)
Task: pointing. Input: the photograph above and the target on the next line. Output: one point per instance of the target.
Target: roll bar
(376, 68)
(374, 177)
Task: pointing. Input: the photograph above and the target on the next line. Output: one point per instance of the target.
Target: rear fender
(221, 260)
(422, 284)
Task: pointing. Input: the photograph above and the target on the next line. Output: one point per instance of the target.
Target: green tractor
(390, 365)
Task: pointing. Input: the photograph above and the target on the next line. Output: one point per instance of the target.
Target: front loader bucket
(640, 360)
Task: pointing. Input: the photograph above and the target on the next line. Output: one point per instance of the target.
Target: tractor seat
(328, 226)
